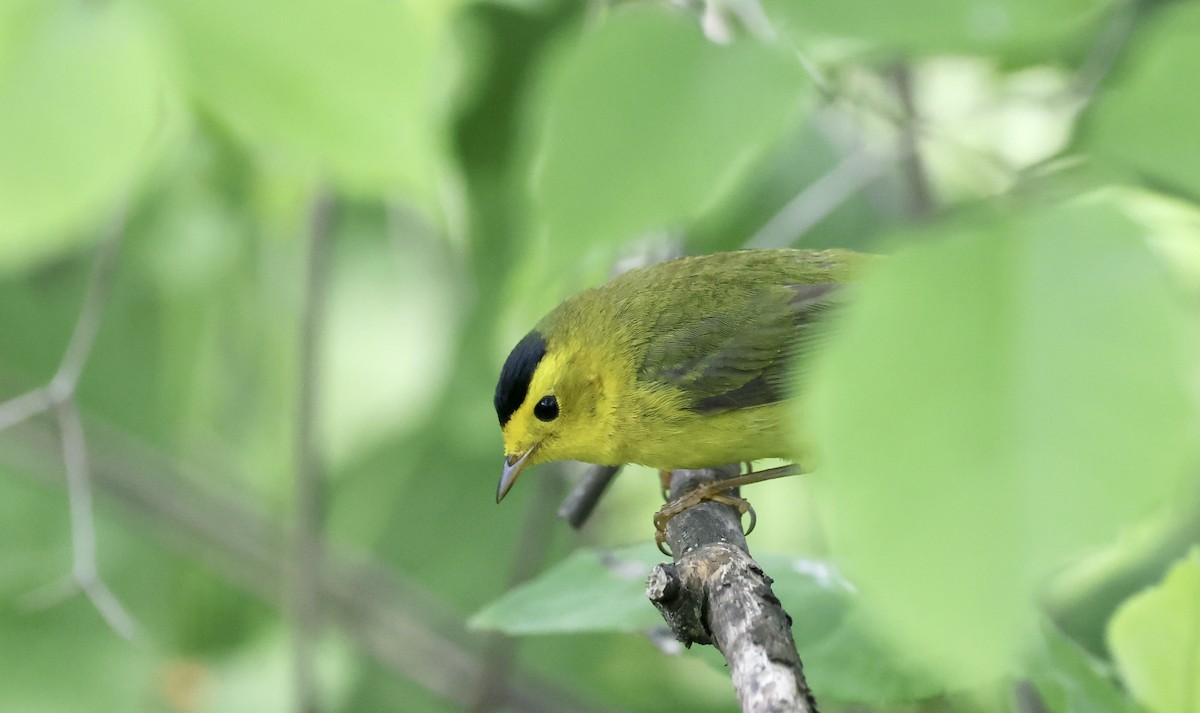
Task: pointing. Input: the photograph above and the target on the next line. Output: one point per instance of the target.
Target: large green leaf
(82, 96)
(938, 26)
(1147, 118)
(649, 123)
(998, 399)
(1155, 639)
(595, 591)
(340, 86)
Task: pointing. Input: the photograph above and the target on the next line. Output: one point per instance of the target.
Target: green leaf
(591, 590)
(649, 123)
(996, 401)
(82, 97)
(1155, 640)
(1070, 681)
(1147, 117)
(939, 26)
(343, 86)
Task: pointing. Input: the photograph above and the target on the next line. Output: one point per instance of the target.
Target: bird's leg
(716, 492)
(664, 482)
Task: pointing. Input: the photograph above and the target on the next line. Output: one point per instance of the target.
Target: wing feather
(741, 357)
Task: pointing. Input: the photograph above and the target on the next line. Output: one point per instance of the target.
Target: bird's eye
(546, 409)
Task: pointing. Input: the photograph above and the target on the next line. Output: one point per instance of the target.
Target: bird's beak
(513, 465)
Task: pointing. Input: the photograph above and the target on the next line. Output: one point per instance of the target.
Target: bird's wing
(740, 357)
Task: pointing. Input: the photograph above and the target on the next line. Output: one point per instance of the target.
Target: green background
(1004, 504)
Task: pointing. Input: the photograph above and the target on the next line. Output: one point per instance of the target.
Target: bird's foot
(717, 492)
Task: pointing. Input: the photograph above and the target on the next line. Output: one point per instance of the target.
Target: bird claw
(709, 491)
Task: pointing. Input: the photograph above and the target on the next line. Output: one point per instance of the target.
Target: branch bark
(715, 593)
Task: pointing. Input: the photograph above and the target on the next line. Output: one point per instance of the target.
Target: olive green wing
(741, 356)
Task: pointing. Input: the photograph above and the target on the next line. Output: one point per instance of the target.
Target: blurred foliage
(1006, 416)
(1154, 638)
(981, 337)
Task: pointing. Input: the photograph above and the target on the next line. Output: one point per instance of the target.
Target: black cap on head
(516, 375)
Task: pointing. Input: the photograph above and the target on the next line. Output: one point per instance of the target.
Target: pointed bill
(513, 465)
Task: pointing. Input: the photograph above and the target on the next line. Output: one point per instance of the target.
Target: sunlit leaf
(1147, 119)
(82, 96)
(997, 400)
(1155, 639)
(649, 123)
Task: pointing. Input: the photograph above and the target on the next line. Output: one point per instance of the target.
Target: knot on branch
(681, 600)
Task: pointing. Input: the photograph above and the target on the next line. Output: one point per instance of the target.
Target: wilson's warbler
(683, 364)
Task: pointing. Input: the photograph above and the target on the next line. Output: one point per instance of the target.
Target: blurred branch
(1026, 698)
(583, 498)
(715, 593)
(822, 197)
(396, 622)
(1106, 50)
(59, 395)
(310, 479)
(921, 203)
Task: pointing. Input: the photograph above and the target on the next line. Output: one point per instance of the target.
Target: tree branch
(715, 593)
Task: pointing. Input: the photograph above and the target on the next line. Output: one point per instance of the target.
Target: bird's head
(549, 403)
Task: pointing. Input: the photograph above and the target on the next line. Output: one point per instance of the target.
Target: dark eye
(546, 409)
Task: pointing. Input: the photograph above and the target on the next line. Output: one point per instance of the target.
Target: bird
(682, 364)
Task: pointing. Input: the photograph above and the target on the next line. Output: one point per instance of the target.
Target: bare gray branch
(715, 593)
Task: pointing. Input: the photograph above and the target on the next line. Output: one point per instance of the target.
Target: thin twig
(1106, 50)
(59, 395)
(920, 195)
(83, 528)
(821, 197)
(87, 326)
(25, 406)
(307, 559)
